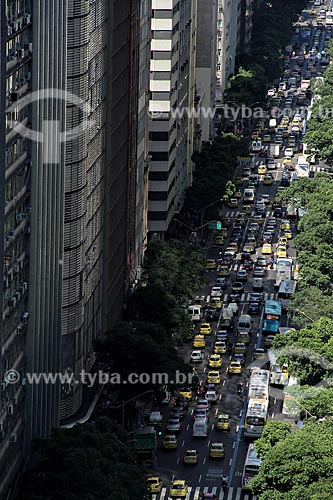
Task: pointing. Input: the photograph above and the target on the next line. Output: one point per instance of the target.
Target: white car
(271, 93)
(196, 357)
(289, 152)
(216, 291)
(211, 397)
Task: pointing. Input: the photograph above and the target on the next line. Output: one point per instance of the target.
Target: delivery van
(194, 312)
(200, 427)
(244, 323)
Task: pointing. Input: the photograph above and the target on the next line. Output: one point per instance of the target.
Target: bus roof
(284, 261)
(287, 286)
(257, 409)
(273, 307)
(252, 456)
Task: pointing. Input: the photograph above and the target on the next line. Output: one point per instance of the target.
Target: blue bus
(272, 316)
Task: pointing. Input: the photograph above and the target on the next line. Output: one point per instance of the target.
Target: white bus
(259, 385)
(286, 291)
(256, 418)
(251, 467)
(282, 272)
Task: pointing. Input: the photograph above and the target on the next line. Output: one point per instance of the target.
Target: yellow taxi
(186, 392)
(210, 264)
(213, 377)
(262, 170)
(223, 422)
(233, 203)
(179, 488)
(239, 180)
(199, 341)
(235, 368)
(170, 442)
(224, 232)
(238, 194)
(224, 271)
(255, 134)
(219, 240)
(268, 180)
(281, 251)
(220, 347)
(285, 224)
(205, 329)
(283, 241)
(258, 219)
(287, 234)
(216, 450)
(154, 484)
(287, 159)
(243, 337)
(226, 222)
(215, 361)
(266, 249)
(191, 457)
(234, 245)
(215, 302)
(240, 348)
(266, 138)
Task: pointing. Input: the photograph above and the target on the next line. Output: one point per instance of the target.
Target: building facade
(74, 197)
(206, 57)
(171, 96)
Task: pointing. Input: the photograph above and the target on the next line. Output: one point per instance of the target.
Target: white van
(244, 323)
(249, 195)
(200, 427)
(194, 312)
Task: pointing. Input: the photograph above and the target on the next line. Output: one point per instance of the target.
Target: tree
(88, 462)
(273, 432)
(298, 466)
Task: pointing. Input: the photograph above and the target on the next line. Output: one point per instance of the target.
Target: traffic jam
(207, 429)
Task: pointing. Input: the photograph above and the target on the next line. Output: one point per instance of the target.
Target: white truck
(275, 150)
(305, 84)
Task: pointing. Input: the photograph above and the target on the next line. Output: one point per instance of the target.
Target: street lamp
(298, 404)
(304, 314)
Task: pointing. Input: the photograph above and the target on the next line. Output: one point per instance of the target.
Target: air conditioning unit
(15, 400)
(13, 439)
(9, 30)
(23, 381)
(25, 318)
(17, 296)
(28, 18)
(19, 330)
(28, 76)
(10, 410)
(13, 302)
(28, 210)
(30, 47)
(3, 386)
(25, 285)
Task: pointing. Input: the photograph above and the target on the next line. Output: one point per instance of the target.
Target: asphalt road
(206, 475)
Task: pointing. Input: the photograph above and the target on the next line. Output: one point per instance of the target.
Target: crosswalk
(245, 297)
(194, 493)
(234, 214)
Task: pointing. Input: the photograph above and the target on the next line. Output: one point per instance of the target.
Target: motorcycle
(240, 388)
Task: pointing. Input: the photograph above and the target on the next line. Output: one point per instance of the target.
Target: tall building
(206, 57)
(228, 26)
(173, 29)
(74, 197)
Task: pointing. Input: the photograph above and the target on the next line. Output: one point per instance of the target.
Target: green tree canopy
(88, 462)
(299, 466)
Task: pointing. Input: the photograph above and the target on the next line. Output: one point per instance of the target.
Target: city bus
(256, 418)
(251, 467)
(272, 316)
(283, 270)
(259, 385)
(286, 291)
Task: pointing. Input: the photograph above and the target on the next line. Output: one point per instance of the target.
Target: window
(157, 195)
(158, 136)
(159, 156)
(157, 215)
(158, 176)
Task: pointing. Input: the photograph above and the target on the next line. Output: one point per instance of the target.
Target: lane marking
(233, 444)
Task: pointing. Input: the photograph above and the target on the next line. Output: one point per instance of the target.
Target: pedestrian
(272, 256)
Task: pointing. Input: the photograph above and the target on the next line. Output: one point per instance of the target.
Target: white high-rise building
(173, 33)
